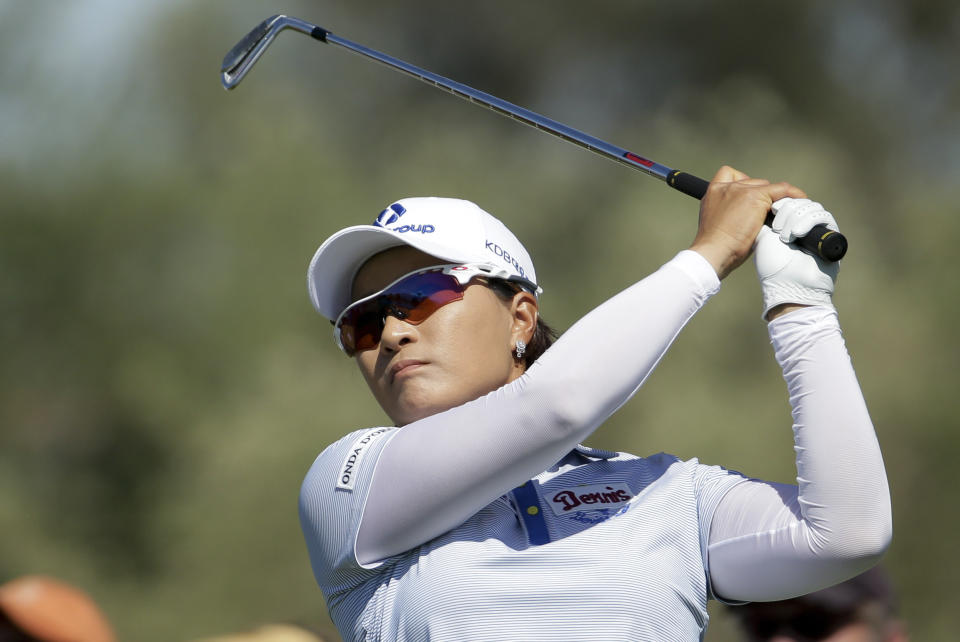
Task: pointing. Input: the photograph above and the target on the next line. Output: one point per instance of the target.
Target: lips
(404, 367)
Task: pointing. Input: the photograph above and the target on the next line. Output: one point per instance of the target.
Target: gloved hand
(787, 273)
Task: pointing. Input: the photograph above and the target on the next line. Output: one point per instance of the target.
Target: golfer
(478, 515)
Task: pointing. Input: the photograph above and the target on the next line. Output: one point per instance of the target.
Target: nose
(397, 333)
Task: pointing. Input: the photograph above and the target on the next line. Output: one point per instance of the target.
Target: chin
(408, 415)
(426, 401)
(415, 407)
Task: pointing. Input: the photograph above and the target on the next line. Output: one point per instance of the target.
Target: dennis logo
(592, 497)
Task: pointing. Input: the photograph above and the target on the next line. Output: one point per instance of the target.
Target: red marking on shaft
(638, 159)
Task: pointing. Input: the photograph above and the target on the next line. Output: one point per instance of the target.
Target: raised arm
(437, 472)
(775, 541)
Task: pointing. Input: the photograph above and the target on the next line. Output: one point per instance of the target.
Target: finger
(799, 219)
(727, 174)
(754, 182)
(776, 191)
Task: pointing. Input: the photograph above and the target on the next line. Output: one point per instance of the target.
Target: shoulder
(692, 466)
(331, 503)
(598, 454)
(697, 476)
(339, 464)
(597, 459)
(590, 465)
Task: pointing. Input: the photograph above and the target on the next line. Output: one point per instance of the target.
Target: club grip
(822, 241)
(687, 183)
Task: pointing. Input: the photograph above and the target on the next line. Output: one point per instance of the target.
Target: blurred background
(165, 383)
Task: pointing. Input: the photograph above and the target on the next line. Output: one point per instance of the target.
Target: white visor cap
(450, 229)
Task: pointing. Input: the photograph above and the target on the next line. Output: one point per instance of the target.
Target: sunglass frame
(462, 272)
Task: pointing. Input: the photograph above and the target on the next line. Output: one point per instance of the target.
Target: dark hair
(866, 598)
(543, 335)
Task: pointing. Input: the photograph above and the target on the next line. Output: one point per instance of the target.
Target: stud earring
(521, 348)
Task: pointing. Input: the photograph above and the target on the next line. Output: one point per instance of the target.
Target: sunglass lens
(421, 295)
(360, 327)
(413, 299)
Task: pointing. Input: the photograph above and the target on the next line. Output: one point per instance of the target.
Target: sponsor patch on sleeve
(347, 476)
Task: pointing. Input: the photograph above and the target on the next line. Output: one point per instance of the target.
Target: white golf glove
(787, 273)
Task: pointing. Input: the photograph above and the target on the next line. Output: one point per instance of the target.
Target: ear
(524, 315)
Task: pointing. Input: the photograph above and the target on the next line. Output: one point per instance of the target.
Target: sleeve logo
(347, 477)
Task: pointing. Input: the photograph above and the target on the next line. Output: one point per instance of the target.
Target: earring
(521, 348)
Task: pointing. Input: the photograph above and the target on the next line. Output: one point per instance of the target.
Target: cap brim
(335, 263)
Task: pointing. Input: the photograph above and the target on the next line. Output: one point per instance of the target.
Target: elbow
(866, 553)
(569, 419)
(863, 542)
(559, 426)
(571, 401)
(870, 546)
(857, 529)
(876, 532)
(876, 544)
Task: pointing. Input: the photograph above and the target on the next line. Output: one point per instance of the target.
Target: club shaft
(829, 245)
(506, 108)
(822, 241)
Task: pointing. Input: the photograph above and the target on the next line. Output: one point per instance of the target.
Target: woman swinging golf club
(479, 516)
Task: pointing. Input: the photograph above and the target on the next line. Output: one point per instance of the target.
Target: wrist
(780, 295)
(782, 309)
(721, 259)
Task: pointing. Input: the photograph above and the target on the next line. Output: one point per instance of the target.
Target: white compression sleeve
(775, 541)
(437, 472)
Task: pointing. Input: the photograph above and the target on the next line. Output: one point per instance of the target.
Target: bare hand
(731, 214)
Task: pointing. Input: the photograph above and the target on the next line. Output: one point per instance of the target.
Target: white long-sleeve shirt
(488, 521)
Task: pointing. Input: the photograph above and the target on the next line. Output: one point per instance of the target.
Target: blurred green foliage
(164, 382)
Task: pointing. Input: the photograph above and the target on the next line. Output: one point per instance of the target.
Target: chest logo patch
(579, 499)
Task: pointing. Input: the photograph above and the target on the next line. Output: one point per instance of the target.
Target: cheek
(477, 343)
(469, 349)
(366, 362)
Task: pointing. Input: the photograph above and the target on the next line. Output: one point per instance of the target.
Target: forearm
(602, 360)
(772, 541)
(446, 467)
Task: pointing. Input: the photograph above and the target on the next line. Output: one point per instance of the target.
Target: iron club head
(828, 244)
(245, 53)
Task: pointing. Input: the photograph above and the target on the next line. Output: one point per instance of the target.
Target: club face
(241, 57)
(245, 53)
(240, 50)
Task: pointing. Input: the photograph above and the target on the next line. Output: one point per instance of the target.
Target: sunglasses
(413, 298)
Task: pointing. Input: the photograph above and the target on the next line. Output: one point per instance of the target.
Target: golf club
(829, 245)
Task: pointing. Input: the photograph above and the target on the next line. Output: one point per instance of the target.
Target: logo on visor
(390, 215)
(505, 255)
